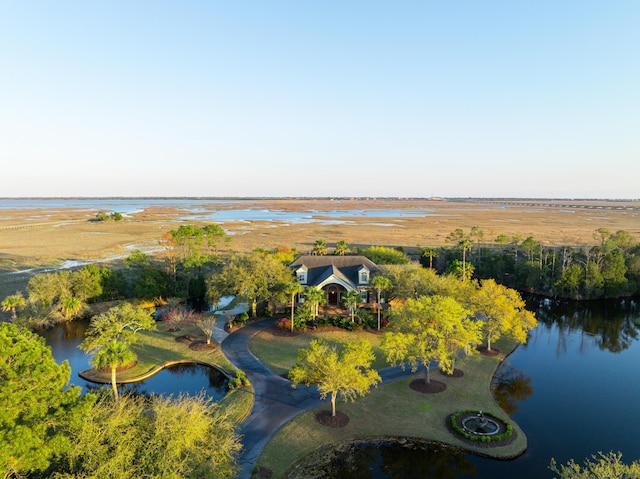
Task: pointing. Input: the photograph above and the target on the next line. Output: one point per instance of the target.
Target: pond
(574, 389)
(190, 379)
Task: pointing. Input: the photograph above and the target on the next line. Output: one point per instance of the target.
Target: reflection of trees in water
(509, 387)
(216, 379)
(609, 325)
(406, 460)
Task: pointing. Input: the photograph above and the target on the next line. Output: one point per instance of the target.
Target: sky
(269, 98)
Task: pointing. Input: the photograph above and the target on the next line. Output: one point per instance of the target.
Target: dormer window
(301, 275)
(363, 276)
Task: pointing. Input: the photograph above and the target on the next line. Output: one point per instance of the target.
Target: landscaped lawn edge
(296, 440)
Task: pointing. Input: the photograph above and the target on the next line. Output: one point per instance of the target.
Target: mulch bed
(281, 332)
(419, 385)
(203, 346)
(263, 473)
(326, 419)
(185, 339)
(457, 373)
(489, 353)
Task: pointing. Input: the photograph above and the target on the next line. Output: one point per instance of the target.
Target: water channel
(191, 379)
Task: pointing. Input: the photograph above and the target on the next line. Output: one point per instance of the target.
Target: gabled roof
(333, 275)
(344, 269)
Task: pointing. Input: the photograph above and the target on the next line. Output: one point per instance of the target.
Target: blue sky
(325, 98)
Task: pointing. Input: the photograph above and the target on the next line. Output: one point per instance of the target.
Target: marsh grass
(394, 410)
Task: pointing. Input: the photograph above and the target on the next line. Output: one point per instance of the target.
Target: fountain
(480, 425)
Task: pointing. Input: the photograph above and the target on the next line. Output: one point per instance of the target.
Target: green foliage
(503, 311)
(608, 466)
(427, 329)
(183, 437)
(347, 373)
(114, 216)
(37, 406)
(253, 277)
(119, 323)
(320, 248)
(384, 255)
(240, 380)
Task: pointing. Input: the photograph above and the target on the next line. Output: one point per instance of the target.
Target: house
(336, 275)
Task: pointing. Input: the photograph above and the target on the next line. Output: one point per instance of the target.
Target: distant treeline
(608, 269)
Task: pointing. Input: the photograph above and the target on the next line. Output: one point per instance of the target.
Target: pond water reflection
(189, 379)
(574, 389)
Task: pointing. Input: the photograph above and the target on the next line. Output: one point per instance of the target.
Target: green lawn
(158, 348)
(279, 352)
(394, 410)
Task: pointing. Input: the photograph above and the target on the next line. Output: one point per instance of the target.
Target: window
(302, 277)
(364, 276)
(364, 296)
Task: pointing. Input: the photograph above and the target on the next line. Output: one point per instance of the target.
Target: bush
(266, 313)
(243, 317)
(240, 380)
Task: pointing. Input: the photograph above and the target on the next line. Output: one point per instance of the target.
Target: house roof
(344, 269)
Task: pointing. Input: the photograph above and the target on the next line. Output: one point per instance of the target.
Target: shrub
(243, 317)
(472, 437)
(266, 313)
(240, 380)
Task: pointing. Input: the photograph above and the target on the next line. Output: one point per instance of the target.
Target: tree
(380, 283)
(37, 405)
(155, 438)
(429, 253)
(464, 244)
(319, 248)
(70, 307)
(316, 297)
(347, 373)
(13, 303)
(205, 323)
(503, 312)
(342, 248)
(111, 356)
(421, 331)
(110, 334)
(351, 299)
(460, 270)
(189, 248)
(254, 277)
(609, 466)
(293, 289)
(384, 255)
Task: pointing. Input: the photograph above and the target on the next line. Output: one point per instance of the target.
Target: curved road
(275, 402)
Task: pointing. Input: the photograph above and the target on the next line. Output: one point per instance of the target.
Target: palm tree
(380, 283)
(315, 296)
(351, 299)
(319, 248)
(342, 248)
(13, 303)
(113, 355)
(70, 306)
(292, 289)
(465, 244)
(431, 253)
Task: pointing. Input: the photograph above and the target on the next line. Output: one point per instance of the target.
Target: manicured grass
(279, 353)
(395, 410)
